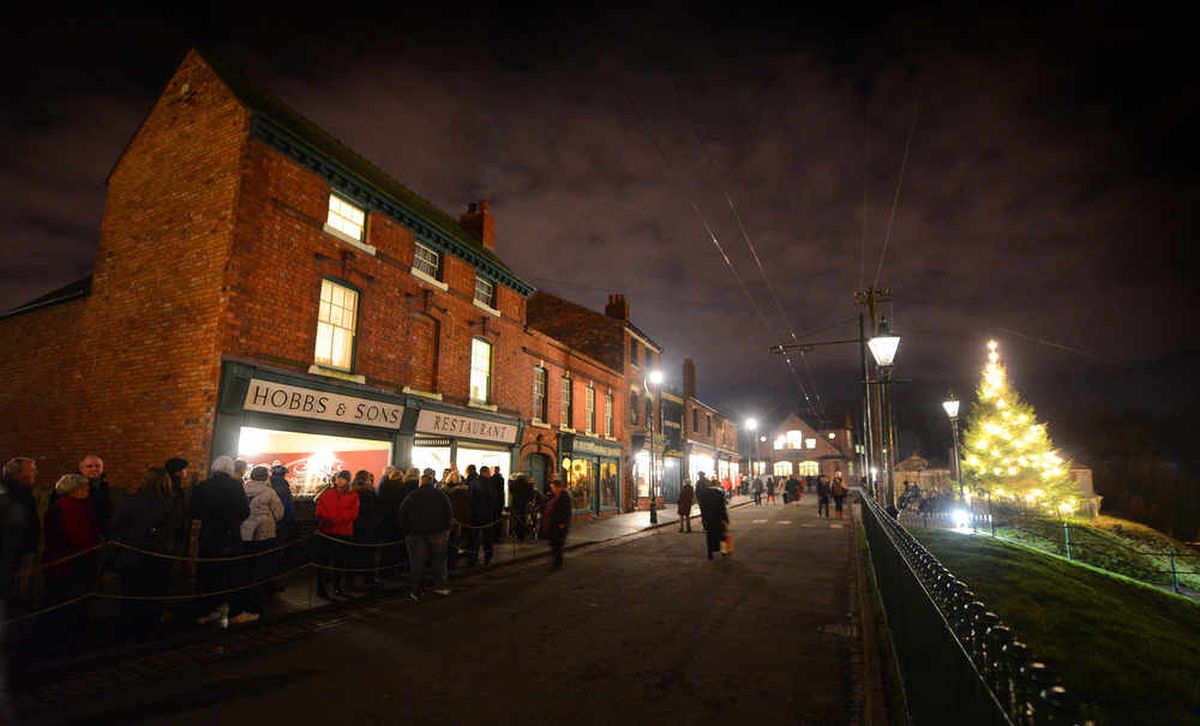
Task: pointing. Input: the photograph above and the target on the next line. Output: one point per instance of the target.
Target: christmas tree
(1007, 452)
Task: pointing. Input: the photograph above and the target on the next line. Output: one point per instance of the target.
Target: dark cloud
(1049, 187)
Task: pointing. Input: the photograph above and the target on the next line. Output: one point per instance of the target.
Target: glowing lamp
(883, 346)
(656, 377)
(951, 406)
(752, 424)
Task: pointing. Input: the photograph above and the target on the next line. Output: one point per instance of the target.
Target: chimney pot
(479, 222)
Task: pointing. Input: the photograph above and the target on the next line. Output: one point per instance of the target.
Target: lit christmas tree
(1007, 452)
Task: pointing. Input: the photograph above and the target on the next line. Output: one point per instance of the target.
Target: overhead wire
(673, 171)
(818, 408)
(887, 237)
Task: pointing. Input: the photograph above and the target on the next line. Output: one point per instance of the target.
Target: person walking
(148, 519)
(366, 526)
(791, 490)
(219, 502)
(258, 532)
(823, 493)
(714, 516)
(757, 489)
(687, 497)
(483, 510)
(337, 508)
(837, 488)
(770, 485)
(556, 521)
(425, 517)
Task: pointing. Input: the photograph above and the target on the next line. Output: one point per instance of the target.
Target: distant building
(792, 446)
(710, 439)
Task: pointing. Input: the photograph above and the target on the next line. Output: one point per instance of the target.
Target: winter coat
(425, 511)
(712, 509)
(498, 492)
(556, 521)
(792, 487)
(483, 501)
(822, 489)
(687, 497)
(522, 495)
(283, 490)
(460, 502)
(265, 510)
(24, 507)
(70, 527)
(837, 488)
(147, 522)
(367, 522)
(757, 487)
(336, 512)
(391, 495)
(16, 520)
(220, 504)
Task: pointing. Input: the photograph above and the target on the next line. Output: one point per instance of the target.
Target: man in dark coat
(498, 490)
(823, 494)
(791, 490)
(221, 506)
(483, 510)
(714, 515)
(100, 496)
(19, 533)
(391, 495)
(556, 521)
(425, 518)
(522, 496)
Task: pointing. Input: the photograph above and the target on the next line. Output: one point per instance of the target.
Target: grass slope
(1124, 547)
(1129, 651)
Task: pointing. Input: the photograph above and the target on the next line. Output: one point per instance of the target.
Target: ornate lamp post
(655, 379)
(883, 349)
(951, 406)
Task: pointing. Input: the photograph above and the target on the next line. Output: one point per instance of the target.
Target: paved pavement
(643, 628)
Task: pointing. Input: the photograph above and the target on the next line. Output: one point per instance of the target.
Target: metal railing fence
(958, 661)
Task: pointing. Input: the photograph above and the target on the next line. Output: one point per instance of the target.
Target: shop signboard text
(270, 397)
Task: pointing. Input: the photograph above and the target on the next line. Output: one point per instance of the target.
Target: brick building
(575, 424)
(261, 289)
(615, 342)
(710, 438)
(793, 446)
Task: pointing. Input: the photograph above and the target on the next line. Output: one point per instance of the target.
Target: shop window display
(580, 477)
(312, 458)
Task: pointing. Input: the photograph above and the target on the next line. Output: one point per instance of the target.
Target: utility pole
(871, 298)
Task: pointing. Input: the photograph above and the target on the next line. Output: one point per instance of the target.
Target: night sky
(1048, 197)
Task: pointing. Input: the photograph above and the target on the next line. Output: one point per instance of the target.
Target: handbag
(727, 544)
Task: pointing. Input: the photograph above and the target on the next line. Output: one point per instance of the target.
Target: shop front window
(312, 459)
(610, 484)
(432, 455)
(641, 474)
(808, 468)
(782, 468)
(579, 475)
(700, 463)
(491, 458)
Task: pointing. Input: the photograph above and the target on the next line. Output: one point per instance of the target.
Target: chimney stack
(689, 378)
(479, 222)
(617, 308)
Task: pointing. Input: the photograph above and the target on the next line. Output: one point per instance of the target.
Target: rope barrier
(68, 558)
(228, 558)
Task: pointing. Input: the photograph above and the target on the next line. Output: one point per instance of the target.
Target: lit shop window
(589, 407)
(608, 414)
(485, 292)
(781, 443)
(810, 443)
(311, 460)
(336, 322)
(346, 218)
(427, 262)
(808, 468)
(782, 468)
(539, 394)
(481, 370)
(795, 439)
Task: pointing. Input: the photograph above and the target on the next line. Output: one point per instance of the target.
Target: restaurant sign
(271, 397)
(465, 427)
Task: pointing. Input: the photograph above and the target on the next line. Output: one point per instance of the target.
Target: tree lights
(1007, 452)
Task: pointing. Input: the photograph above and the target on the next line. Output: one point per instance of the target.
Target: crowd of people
(214, 550)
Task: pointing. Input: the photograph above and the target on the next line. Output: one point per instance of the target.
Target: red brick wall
(145, 339)
(281, 253)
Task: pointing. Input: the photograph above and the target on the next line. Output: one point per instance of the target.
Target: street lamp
(654, 378)
(951, 406)
(883, 349)
(751, 426)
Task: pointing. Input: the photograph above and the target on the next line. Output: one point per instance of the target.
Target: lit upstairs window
(481, 370)
(345, 218)
(337, 320)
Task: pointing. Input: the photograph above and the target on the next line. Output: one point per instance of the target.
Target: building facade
(793, 447)
(710, 439)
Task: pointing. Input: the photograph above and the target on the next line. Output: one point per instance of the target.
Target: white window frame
(341, 223)
(566, 406)
(478, 346)
(332, 319)
(541, 377)
(434, 279)
(608, 414)
(589, 409)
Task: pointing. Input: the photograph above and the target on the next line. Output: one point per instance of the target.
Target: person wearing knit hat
(177, 469)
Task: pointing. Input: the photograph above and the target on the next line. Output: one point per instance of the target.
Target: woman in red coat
(337, 508)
